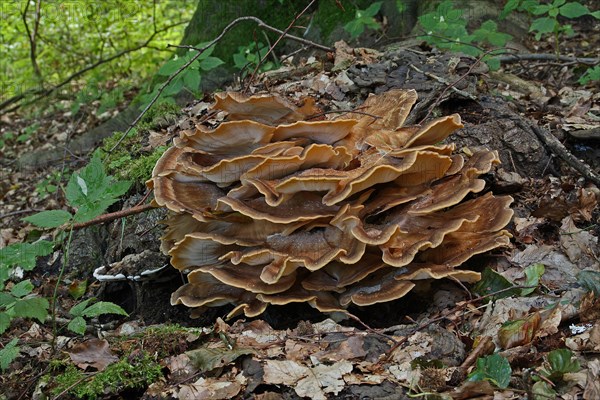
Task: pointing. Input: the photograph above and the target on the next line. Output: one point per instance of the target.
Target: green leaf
(543, 391)
(24, 254)
(171, 66)
(354, 28)
(191, 80)
(103, 307)
(207, 359)
(34, 307)
(491, 282)
(22, 288)
(78, 309)
(590, 280)
(560, 362)
(174, 87)
(49, 219)
(6, 299)
(540, 9)
(9, 353)
(533, 273)
(210, 63)
(373, 9)
(592, 74)
(77, 288)
(77, 325)
(596, 14)
(494, 368)
(4, 322)
(543, 25)
(573, 10)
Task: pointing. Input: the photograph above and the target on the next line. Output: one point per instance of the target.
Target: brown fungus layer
(273, 207)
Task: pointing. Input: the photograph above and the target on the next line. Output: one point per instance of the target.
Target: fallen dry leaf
(93, 353)
(211, 389)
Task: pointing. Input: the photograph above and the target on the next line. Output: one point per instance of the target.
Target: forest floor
(537, 304)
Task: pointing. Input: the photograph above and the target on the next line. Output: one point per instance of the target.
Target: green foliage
(49, 185)
(81, 310)
(494, 368)
(22, 255)
(592, 74)
(9, 353)
(94, 91)
(18, 302)
(445, 28)
(492, 282)
(74, 35)
(128, 373)
(364, 19)
(189, 78)
(248, 57)
(558, 363)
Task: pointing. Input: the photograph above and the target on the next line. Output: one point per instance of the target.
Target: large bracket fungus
(274, 207)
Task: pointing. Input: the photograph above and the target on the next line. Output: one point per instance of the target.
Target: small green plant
(83, 310)
(592, 74)
(28, 132)
(558, 363)
(445, 28)
(49, 185)
(9, 353)
(494, 368)
(547, 21)
(188, 79)
(364, 19)
(248, 57)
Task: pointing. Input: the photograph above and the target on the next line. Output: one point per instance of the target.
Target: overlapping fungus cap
(273, 207)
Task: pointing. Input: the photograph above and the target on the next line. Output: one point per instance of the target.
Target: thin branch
(513, 58)
(115, 215)
(31, 36)
(45, 92)
(200, 51)
(281, 36)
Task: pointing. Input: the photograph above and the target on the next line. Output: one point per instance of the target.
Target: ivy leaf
(573, 10)
(9, 353)
(49, 219)
(103, 307)
(34, 307)
(77, 325)
(494, 368)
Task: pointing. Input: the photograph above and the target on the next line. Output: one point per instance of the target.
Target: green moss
(128, 161)
(126, 374)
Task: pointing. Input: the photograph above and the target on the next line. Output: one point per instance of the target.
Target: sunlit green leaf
(49, 219)
(77, 325)
(103, 307)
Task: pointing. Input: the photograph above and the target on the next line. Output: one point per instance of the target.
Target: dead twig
(557, 148)
(513, 58)
(281, 36)
(115, 215)
(194, 58)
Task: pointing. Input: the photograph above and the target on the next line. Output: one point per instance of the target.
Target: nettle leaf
(4, 322)
(22, 288)
(33, 307)
(24, 254)
(77, 325)
(494, 368)
(573, 10)
(9, 353)
(103, 307)
(49, 219)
